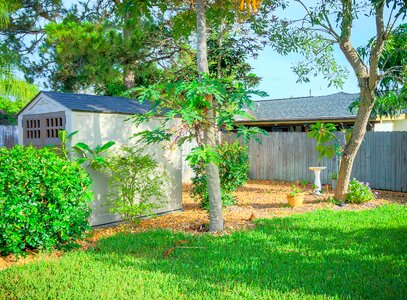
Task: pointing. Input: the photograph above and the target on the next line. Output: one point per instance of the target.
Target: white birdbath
(317, 181)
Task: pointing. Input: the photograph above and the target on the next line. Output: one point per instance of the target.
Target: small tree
(138, 184)
(328, 142)
(188, 101)
(210, 113)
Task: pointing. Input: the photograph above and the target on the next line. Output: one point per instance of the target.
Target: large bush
(138, 184)
(44, 199)
(233, 173)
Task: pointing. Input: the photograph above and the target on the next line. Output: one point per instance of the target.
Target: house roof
(100, 104)
(330, 107)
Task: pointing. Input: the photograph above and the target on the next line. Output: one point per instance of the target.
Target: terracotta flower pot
(295, 201)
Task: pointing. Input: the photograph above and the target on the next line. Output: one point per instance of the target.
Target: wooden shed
(98, 119)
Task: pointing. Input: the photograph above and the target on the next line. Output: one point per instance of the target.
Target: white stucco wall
(392, 124)
(94, 129)
(400, 125)
(384, 126)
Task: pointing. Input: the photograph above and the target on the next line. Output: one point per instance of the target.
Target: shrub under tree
(233, 172)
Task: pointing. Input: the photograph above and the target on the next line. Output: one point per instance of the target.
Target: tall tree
(330, 23)
(211, 132)
(109, 47)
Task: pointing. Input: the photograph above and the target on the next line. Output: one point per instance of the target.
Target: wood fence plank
(8, 136)
(381, 161)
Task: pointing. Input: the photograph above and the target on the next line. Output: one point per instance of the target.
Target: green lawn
(323, 254)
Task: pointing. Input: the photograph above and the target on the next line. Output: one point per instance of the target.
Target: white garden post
(317, 181)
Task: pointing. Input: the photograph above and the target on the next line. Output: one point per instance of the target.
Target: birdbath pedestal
(317, 181)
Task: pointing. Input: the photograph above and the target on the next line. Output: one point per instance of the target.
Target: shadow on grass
(339, 254)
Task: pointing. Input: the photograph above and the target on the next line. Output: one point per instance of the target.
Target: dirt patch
(257, 199)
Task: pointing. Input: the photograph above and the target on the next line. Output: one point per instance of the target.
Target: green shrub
(44, 200)
(233, 170)
(359, 192)
(138, 184)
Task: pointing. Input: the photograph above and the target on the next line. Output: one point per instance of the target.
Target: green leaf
(72, 134)
(81, 160)
(83, 147)
(62, 135)
(103, 148)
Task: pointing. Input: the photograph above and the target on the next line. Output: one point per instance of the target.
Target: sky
(280, 82)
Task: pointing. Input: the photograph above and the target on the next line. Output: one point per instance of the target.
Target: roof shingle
(100, 104)
(333, 106)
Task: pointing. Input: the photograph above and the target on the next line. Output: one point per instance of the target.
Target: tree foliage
(24, 28)
(14, 95)
(187, 100)
(14, 92)
(392, 90)
(108, 46)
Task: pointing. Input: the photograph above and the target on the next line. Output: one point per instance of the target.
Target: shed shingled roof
(335, 106)
(100, 104)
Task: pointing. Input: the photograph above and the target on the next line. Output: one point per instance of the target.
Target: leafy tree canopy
(392, 91)
(107, 47)
(188, 100)
(14, 92)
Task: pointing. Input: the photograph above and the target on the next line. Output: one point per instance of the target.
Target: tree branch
(346, 46)
(377, 47)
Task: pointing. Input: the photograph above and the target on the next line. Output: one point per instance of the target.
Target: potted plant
(295, 198)
(334, 179)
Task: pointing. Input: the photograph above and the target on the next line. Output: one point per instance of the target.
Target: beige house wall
(384, 126)
(392, 124)
(95, 129)
(400, 125)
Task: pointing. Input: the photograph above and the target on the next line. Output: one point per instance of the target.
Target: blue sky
(280, 82)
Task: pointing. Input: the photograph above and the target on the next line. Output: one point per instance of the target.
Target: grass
(318, 255)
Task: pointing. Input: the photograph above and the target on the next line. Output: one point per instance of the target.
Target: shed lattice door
(41, 130)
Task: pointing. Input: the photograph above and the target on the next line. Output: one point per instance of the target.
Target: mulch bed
(257, 199)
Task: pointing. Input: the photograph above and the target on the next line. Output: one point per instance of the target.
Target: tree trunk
(128, 66)
(210, 136)
(367, 100)
(128, 77)
(368, 79)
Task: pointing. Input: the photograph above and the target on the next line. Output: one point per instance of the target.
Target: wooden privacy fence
(381, 159)
(8, 136)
